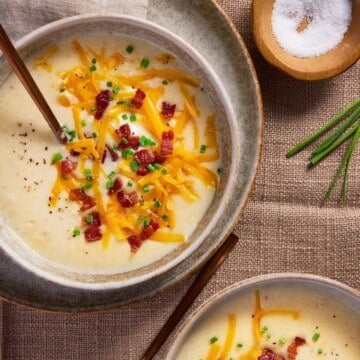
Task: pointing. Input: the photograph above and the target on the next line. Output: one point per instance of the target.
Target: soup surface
(278, 323)
(141, 164)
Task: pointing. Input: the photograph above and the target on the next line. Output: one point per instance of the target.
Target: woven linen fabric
(283, 228)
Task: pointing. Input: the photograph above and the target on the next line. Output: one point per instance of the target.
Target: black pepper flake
(25, 134)
(46, 148)
(31, 160)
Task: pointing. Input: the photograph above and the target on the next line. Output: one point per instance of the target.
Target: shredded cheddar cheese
(102, 98)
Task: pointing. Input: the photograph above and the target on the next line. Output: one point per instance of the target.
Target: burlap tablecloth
(283, 228)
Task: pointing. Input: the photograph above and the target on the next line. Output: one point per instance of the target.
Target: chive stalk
(308, 140)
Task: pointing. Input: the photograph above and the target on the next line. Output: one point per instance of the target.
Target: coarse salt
(308, 28)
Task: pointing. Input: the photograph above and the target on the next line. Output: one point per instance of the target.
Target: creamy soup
(277, 323)
(141, 164)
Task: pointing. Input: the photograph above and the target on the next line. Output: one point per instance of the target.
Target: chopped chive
(109, 184)
(127, 152)
(157, 166)
(146, 222)
(213, 340)
(165, 218)
(130, 184)
(145, 141)
(239, 344)
(151, 167)
(268, 336)
(86, 186)
(165, 82)
(94, 135)
(134, 165)
(83, 122)
(124, 116)
(157, 204)
(144, 63)
(88, 174)
(116, 147)
(62, 90)
(93, 61)
(282, 341)
(319, 351)
(89, 219)
(218, 171)
(315, 337)
(56, 157)
(116, 90)
(203, 148)
(132, 117)
(92, 68)
(76, 232)
(109, 84)
(93, 108)
(264, 329)
(146, 188)
(111, 174)
(127, 103)
(129, 49)
(164, 171)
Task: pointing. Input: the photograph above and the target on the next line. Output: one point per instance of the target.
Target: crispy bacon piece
(79, 195)
(137, 101)
(114, 155)
(93, 233)
(144, 157)
(147, 231)
(135, 242)
(167, 110)
(132, 142)
(167, 146)
(103, 157)
(123, 131)
(127, 200)
(102, 101)
(142, 171)
(67, 166)
(116, 186)
(159, 158)
(74, 152)
(268, 354)
(292, 348)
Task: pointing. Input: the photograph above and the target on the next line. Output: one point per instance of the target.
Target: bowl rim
(62, 24)
(244, 286)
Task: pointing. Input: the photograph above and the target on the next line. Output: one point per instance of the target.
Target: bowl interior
(227, 127)
(228, 300)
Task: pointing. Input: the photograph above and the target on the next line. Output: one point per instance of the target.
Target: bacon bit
(103, 157)
(114, 155)
(79, 195)
(123, 131)
(93, 233)
(268, 354)
(96, 221)
(135, 242)
(74, 152)
(166, 147)
(102, 102)
(67, 166)
(292, 348)
(159, 158)
(167, 110)
(144, 157)
(116, 187)
(127, 200)
(133, 142)
(142, 171)
(137, 101)
(88, 203)
(147, 231)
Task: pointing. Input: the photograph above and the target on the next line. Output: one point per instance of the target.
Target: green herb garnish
(124, 116)
(88, 174)
(83, 122)
(214, 339)
(134, 165)
(109, 84)
(165, 82)
(56, 157)
(129, 49)
(76, 232)
(132, 117)
(315, 337)
(203, 149)
(146, 188)
(157, 204)
(89, 219)
(109, 184)
(350, 128)
(130, 184)
(127, 152)
(144, 63)
(92, 68)
(111, 174)
(115, 90)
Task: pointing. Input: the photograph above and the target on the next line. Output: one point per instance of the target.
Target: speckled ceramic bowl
(269, 286)
(47, 283)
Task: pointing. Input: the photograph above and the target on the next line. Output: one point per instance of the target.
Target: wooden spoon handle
(25, 77)
(194, 290)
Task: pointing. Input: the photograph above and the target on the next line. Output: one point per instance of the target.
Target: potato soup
(141, 164)
(275, 323)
